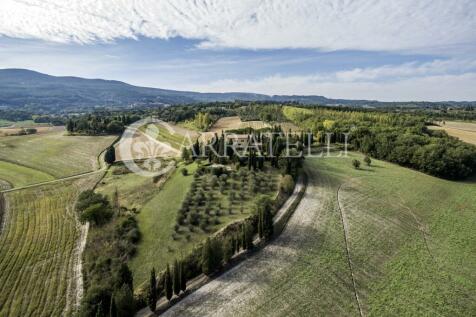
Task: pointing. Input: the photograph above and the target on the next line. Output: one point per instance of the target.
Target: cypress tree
(217, 254)
(110, 156)
(247, 236)
(237, 242)
(99, 311)
(207, 266)
(176, 277)
(228, 250)
(267, 223)
(152, 298)
(124, 276)
(233, 244)
(183, 277)
(113, 308)
(124, 301)
(168, 284)
(260, 224)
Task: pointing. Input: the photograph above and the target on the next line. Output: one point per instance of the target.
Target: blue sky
(362, 49)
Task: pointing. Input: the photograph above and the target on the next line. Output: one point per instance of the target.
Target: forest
(399, 138)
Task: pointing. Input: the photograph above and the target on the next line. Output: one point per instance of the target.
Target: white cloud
(417, 25)
(434, 81)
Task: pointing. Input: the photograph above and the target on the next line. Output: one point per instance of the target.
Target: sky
(389, 50)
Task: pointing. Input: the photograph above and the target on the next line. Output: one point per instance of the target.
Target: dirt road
(288, 271)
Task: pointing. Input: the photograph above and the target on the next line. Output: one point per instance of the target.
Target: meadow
(54, 153)
(378, 241)
(40, 270)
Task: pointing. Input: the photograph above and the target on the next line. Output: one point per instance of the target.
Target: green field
(379, 241)
(54, 153)
(175, 136)
(156, 220)
(158, 217)
(411, 242)
(24, 124)
(38, 255)
(133, 189)
(18, 175)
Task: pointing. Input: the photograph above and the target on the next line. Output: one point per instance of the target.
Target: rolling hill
(22, 87)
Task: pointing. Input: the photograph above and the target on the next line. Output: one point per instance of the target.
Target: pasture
(54, 153)
(40, 268)
(379, 241)
(465, 131)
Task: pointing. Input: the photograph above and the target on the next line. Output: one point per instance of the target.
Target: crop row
(38, 242)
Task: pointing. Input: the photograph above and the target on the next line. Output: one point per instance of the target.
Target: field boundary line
(344, 228)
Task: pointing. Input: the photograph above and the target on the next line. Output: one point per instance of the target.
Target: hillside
(379, 241)
(21, 87)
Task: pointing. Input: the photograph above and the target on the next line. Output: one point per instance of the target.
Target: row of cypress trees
(171, 282)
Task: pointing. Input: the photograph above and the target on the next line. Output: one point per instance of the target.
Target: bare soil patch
(230, 123)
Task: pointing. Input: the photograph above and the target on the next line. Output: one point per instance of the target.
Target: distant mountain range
(26, 88)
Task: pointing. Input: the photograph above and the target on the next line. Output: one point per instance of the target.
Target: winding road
(268, 283)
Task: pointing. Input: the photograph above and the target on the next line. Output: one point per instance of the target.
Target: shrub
(287, 184)
(184, 171)
(356, 163)
(97, 214)
(367, 160)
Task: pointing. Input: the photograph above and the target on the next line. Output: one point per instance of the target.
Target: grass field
(465, 131)
(54, 153)
(156, 220)
(23, 124)
(380, 241)
(39, 251)
(133, 189)
(158, 217)
(18, 175)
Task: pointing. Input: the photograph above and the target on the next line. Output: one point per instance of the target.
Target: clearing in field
(465, 131)
(377, 241)
(40, 240)
(161, 243)
(54, 153)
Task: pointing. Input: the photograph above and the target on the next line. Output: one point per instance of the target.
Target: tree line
(98, 124)
(399, 138)
(112, 240)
